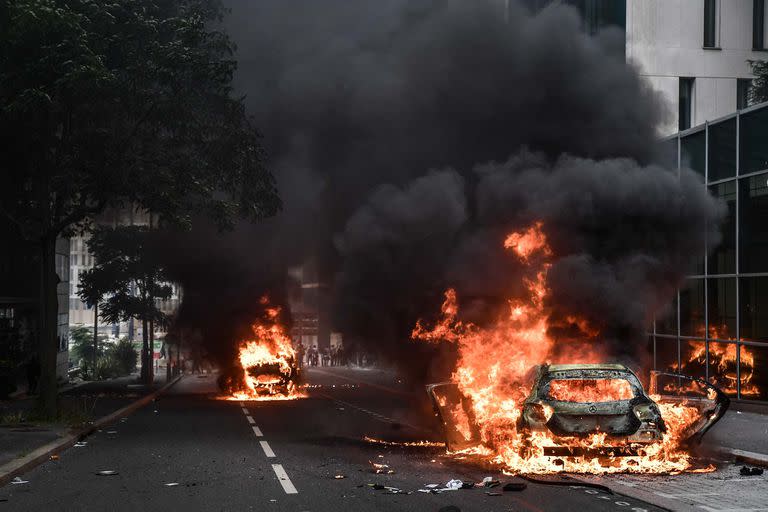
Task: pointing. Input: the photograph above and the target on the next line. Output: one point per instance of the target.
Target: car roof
(587, 366)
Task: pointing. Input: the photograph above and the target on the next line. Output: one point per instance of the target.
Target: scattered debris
(111, 432)
(381, 469)
(54, 457)
(339, 477)
(467, 485)
(80, 444)
(431, 486)
(490, 482)
(747, 471)
(339, 408)
(107, 472)
(493, 493)
(18, 480)
(514, 486)
(172, 484)
(454, 484)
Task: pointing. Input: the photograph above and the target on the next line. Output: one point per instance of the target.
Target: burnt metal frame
(706, 276)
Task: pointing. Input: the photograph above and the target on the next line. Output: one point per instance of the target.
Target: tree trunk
(168, 359)
(144, 352)
(151, 352)
(95, 337)
(48, 319)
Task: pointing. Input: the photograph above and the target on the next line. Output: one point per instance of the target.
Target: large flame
(493, 373)
(722, 361)
(270, 349)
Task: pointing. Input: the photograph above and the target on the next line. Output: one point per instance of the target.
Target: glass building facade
(717, 325)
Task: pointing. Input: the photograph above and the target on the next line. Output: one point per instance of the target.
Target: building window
(754, 308)
(758, 24)
(742, 92)
(692, 308)
(721, 296)
(753, 236)
(722, 260)
(686, 103)
(710, 23)
(722, 150)
(753, 132)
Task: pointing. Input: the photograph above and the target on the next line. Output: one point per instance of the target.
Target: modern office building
(696, 53)
(717, 326)
(80, 260)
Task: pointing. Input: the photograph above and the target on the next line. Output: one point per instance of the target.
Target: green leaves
(125, 280)
(130, 101)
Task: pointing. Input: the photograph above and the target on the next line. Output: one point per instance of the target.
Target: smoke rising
(409, 136)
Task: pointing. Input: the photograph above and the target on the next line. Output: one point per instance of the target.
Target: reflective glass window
(722, 366)
(721, 296)
(753, 134)
(692, 308)
(722, 259)
(693, 358)
(666, 354)
(666, 318)
(753, 223)
(754, 308)
(722, 150)
(692, 153)
(753, 372)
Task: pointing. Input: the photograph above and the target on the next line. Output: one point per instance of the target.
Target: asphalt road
(279, 456)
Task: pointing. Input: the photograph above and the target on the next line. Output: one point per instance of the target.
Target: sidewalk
(80, 404)
(740, 437)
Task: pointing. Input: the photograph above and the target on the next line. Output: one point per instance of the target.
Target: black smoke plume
(409, 136)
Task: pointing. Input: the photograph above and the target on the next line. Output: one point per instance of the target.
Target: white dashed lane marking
(282, 476)
(267, 449)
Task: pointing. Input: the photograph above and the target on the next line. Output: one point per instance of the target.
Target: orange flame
(493, 373)
(722, 359)
(269, 349)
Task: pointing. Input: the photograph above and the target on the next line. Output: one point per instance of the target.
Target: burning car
(267, 365)
(597, 409)
(577, 400)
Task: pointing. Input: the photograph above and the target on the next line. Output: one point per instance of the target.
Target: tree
(119, 102)
(131, 280)
(758, 91)
(85, 350)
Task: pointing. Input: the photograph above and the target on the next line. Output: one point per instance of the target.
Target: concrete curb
(756, 459)
(14, 468)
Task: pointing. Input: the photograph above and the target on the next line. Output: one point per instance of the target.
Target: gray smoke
(360, 102)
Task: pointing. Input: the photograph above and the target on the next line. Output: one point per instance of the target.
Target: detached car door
(677, 389)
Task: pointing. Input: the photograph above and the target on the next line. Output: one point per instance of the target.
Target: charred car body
(264, 379)
(570, 402)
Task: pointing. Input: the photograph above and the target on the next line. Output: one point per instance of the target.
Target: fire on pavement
(519, 400)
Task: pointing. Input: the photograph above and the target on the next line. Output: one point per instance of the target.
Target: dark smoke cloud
(360, 101)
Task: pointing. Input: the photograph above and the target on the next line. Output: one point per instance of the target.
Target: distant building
(80, 313)
(695, 53)
(717, 325)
